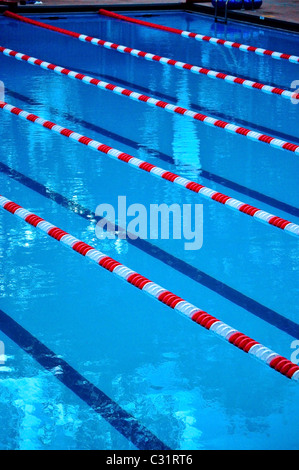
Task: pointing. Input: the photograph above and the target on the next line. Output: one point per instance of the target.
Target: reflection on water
(180, 381)
(186, 142)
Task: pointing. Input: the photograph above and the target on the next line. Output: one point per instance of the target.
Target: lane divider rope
(208, 193)
(154, 252)
(202, 318)
(228, 78)
(151, 101)
(199, 37)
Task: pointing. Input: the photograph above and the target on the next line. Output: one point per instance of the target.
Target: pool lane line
(252, 306)
(215, 112)
(202, 318)
(94, 127)
(165, 97)
(280, 205)
(196, 107)
(234, 204)
(102, 404)
(151, 101)
(199, 37)
(269, 200)
(214, 74)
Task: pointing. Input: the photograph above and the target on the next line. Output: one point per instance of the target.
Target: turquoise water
(179, 381)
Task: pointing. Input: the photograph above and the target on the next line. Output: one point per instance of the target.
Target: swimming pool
(90, 361)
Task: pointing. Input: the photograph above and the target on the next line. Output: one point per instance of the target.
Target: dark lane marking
(117, 417)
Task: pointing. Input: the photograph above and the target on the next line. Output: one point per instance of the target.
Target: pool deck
(277, 13)
(275, 9)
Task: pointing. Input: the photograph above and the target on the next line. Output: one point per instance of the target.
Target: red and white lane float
(199, 37)
(227, 201)
(151, 101)
(202, 318)
(228, 78)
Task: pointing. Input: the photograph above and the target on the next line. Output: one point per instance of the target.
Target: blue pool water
(67, 324)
